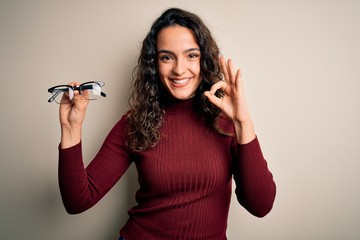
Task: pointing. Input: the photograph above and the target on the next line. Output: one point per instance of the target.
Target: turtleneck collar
(190, 105)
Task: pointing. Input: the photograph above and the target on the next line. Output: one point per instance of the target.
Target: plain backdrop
(300, 63)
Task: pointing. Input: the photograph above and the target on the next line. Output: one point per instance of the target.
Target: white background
(300, 61)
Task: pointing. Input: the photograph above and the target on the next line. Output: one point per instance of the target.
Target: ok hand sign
(233, 104)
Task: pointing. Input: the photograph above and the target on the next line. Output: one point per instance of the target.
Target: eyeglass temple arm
(54, 95)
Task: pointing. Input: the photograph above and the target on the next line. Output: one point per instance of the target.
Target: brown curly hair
(146, 99)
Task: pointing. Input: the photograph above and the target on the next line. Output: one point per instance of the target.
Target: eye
(193, 55)
(165, 58)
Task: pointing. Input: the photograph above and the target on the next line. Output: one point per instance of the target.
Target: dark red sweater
(185, 181)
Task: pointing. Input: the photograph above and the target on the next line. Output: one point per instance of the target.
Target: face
(178, 61)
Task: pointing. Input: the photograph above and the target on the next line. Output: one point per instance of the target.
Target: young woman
(189, 133)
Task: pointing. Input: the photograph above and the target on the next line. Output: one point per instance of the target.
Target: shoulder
(118, 135)
(120, 127)
(123, 121)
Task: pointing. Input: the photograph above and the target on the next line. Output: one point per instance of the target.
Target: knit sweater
(185, 180)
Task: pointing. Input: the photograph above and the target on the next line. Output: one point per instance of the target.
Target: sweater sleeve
(81, 187)
(255, 187)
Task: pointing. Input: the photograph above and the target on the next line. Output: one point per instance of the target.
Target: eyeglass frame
(74, 88)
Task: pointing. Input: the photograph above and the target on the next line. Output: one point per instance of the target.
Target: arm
(81, 187)
(255, 187)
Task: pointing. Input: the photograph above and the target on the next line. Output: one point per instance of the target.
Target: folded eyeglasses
(62, 94)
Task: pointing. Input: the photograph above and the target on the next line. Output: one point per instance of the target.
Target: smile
(182, 81)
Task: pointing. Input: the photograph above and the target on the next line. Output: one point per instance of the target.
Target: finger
(76, 93)
(66, 96)
(74, 84)
(224, 68)
(231, 71)
(238, 81)
(219, 85)
(213, 99)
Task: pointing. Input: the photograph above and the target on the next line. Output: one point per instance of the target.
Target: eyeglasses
(62, 94)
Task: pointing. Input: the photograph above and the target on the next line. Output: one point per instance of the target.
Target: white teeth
(180, 81)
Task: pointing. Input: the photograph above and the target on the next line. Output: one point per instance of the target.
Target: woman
(188, 131)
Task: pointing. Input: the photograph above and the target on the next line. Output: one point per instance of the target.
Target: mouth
(180, 82)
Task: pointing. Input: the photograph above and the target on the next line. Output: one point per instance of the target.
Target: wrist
(245, 131)
(70, 136)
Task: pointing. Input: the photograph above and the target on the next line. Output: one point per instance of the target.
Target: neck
(172, 104)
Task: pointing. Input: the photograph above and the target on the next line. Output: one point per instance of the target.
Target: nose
(179, 67)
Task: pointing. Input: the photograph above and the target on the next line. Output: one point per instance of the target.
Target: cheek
(195, 68)
(162, 70)
(162, 73)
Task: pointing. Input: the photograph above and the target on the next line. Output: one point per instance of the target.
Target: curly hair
(146, 99)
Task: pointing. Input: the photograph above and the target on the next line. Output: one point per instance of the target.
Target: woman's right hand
(72, 114)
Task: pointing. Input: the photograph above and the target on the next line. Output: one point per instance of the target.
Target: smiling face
(178, 61)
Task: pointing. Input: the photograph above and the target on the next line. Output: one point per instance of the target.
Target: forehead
(176, 37)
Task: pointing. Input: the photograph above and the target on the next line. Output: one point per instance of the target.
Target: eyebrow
(171, 52)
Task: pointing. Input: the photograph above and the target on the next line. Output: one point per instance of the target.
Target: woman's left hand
(233, 103)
